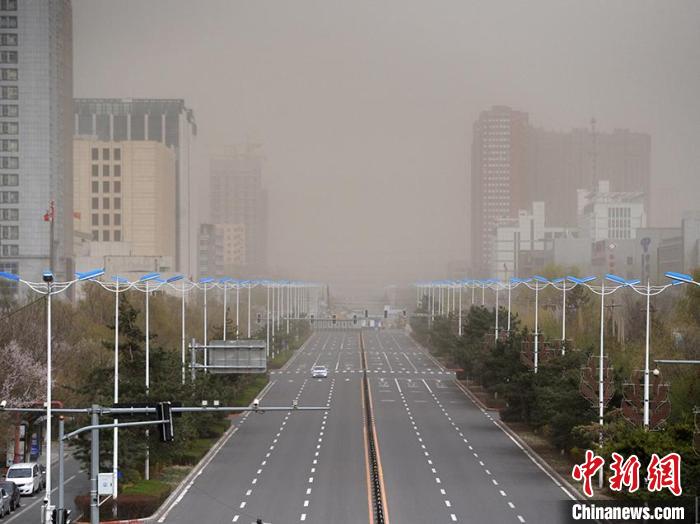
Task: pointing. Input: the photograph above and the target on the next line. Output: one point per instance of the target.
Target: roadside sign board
(237, 356)
(105, 484)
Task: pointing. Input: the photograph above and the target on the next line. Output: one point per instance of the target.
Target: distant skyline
(365, 109)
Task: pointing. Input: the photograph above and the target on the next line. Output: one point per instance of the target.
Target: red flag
(49, 215)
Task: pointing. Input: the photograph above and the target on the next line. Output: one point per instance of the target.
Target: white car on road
(319, 372)
(27, 476)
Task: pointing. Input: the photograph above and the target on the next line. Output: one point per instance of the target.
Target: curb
(548, 470)
(181, 489)
(554, 475)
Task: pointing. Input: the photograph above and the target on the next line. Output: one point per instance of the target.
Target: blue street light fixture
(681, 278)
(9, 276)
(621, 281)
(89, 275)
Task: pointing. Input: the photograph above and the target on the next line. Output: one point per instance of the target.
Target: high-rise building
(221, 250)
(515, 164)
(238, 197)
(497, 178)
(124, 198)
(36, 90)
(558, 163)
(167, 121)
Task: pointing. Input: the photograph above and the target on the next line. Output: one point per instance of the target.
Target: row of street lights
(294, 299)
(563, 284)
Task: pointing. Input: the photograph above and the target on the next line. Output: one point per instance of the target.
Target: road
(292, 467)
(462, 467)
(76, 482)
(442, 458)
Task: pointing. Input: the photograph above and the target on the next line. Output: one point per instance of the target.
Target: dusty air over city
(349, 261)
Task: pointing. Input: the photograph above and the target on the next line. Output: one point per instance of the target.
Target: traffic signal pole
(95, 411)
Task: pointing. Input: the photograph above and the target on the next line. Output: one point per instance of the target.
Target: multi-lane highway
(443, 459)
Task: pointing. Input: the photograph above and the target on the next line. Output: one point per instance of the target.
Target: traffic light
(386, 313)
(312, 319)
(354, 319)
(404, 313)
(165, 429)
(259, 318)
(334, 319)
(366, 313)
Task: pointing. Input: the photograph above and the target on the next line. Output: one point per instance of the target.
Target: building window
(95, 219)
(9, 110)
(8, 57)
(10, 250)
(117, 187)
(9, 128)
(9, 197)
(105, 187)
(9, 146)
(8, 22)
(117, 235)
(9, 162)
(7, 39)
(9, 93)
(95, 154)
(105, 153)
(10, 232)
(117, 219)
(8, 74)
(95, 170)
(117, 203)
(95, 203)
(105, 236)
(9, 180)
(105, 203)
(117, 170)
(95, 235)
(105, 170)
(117, 154)
(95, 187)
(105, 219)
(8, 5)
(9, 215)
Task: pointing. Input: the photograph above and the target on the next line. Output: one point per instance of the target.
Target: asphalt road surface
(443, 459)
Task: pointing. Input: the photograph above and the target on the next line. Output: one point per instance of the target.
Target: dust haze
(365, 109)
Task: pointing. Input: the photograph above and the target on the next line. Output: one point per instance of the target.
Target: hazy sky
(365, 107)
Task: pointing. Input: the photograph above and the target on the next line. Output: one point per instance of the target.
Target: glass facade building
(36, 90)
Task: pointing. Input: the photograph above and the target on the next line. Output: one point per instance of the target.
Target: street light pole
(496, 333)
(147, 466)
(182, 333)
(48, 279)
(510, 286)
(537, 323)
(646, 359)
(267, 318)
(225, 311)
(249, 287)
(238, 323)
(459, 320)
(115, 444)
